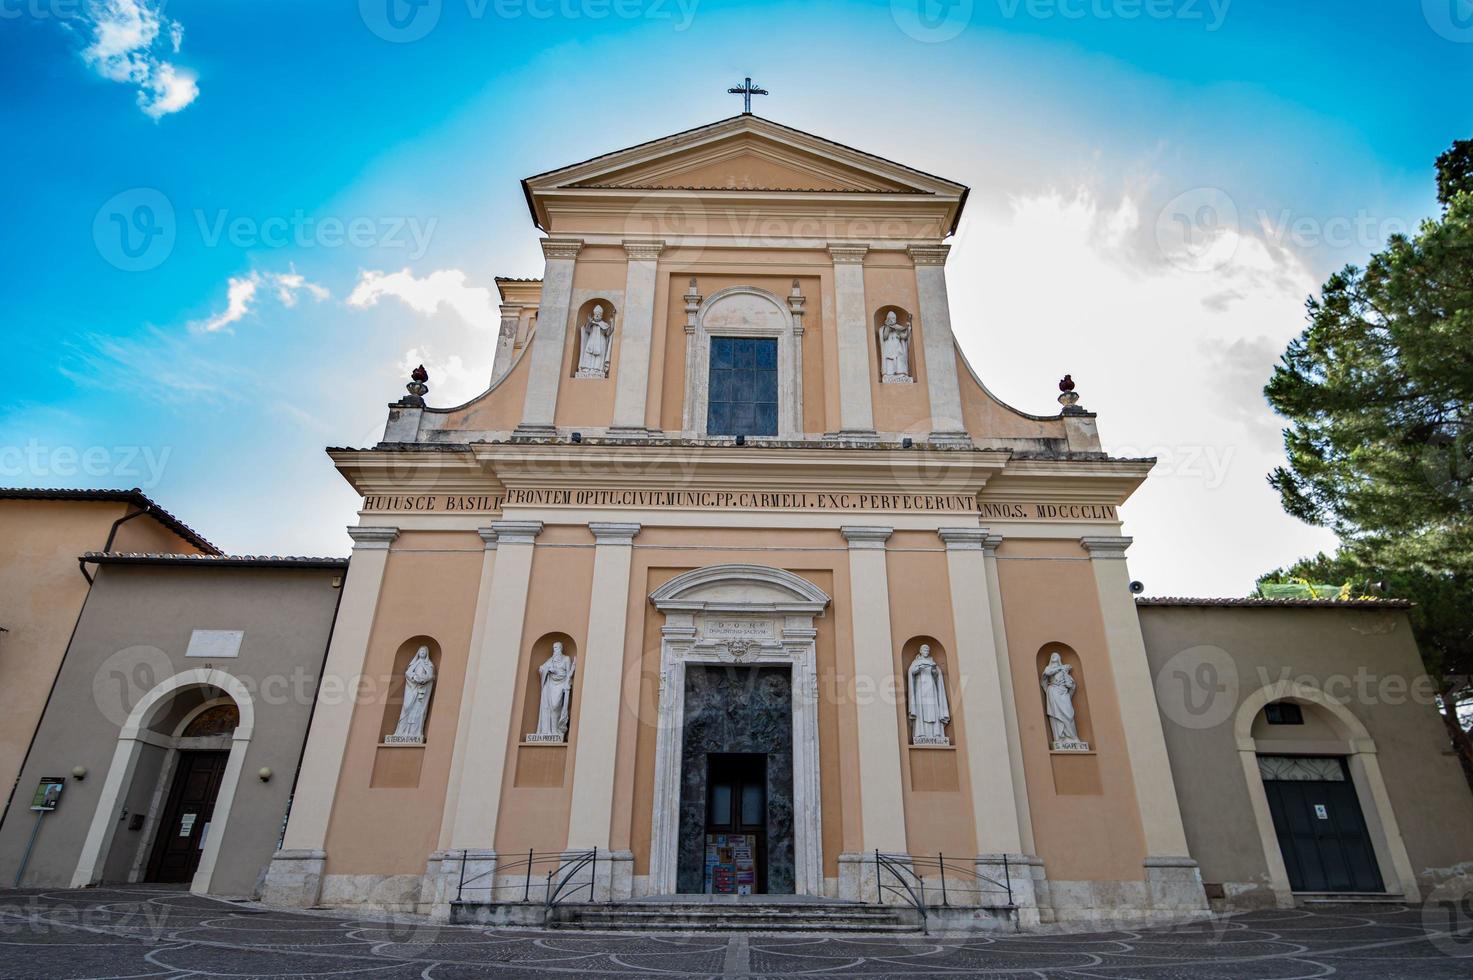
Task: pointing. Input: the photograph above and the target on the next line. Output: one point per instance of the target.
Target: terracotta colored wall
(386, 818)
(1085, 822)
(938, 801)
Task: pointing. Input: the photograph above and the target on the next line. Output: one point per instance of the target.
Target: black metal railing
(957, 883)
(546, 878)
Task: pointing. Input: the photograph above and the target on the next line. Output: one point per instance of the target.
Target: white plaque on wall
(215, 644)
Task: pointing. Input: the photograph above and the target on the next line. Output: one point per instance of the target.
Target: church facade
(739, 577)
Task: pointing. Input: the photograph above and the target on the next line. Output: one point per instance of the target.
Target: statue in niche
(928, 709)
(556, 673)
(419, 684)
(593, 356)
(895, 351)
(1058, 690)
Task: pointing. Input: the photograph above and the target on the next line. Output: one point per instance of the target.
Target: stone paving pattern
(140, 931)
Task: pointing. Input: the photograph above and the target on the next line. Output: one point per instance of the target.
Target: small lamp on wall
(79, 773)
(264, 774)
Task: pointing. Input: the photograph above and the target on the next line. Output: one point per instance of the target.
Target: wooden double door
(191, 804)
(1321, 830)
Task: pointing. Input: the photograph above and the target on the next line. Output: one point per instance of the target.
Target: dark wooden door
(1322, 835)
(736, 823)
(191, 804)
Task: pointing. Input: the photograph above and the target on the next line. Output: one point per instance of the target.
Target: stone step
(1349, 898)
(787, 917)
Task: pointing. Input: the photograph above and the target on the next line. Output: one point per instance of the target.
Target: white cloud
(1172, 359)
(441, 289)
(241, 294)
(154, 366)
(125, 43)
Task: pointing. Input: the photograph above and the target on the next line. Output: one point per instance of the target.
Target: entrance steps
(748, 915)
(1349, 898)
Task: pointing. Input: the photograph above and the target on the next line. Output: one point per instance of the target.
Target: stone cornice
(866, 536)
(643, 250)
(489, 536)
(962, 538)
(516, 532)
(928, 254)
(561, 248)
(372, 538)
(846, 254)
(613, 533)
(1106, 546)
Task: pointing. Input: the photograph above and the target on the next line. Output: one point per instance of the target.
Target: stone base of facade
(294, 879)
(378, 893)
(456, 874)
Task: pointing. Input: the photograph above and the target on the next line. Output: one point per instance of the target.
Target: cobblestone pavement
(150, 932)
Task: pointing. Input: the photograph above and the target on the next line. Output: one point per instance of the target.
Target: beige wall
(133, 636)
(1330, 648)
(1085, 822)
(41, 594)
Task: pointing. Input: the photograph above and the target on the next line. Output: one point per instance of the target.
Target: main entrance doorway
(1317, 818)
(191, 804)
(736, 824)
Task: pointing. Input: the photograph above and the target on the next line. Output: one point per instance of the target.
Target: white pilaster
(506, 340)
(487, 725)
(602, 671)
(1150, 768)
(881, 806)
(939, 344)
(636, 329)
(545, 372)
(297, 867)
(979, 678)
(1005, 687)
(856, 406)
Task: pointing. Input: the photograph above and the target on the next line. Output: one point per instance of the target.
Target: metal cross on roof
(746, 90)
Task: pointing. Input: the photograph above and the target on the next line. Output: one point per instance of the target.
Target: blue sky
(259, 135)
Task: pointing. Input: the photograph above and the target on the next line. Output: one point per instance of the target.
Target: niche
(1081, 690)
(532, 696)
(593, 339)
(895, 345)
(395, 701)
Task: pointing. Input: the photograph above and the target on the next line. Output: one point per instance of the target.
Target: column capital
(846, 254)
(1112, 546)
(990, 544)
(928, 254)
(489, 536)
(611, 533)
(370, 538)
(866, 537)
(561, 248)
(963, 538)
(646, 249)
(516, 532)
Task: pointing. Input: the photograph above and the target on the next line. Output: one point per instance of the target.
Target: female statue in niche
(1058, 689)
(894, 350)
(929, 710)
(557, 689)
(419, 683)
(593, 359)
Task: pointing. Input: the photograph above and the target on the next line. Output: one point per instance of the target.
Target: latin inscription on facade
(1044, 511)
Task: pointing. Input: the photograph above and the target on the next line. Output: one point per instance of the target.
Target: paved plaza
(140, 931)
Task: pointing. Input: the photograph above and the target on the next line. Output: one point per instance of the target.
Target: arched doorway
(178, 760)
(1323, 813)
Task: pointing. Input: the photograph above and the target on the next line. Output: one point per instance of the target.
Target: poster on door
(731, 864)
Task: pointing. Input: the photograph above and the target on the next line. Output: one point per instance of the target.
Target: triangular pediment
(746, 155)
(747, 161)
